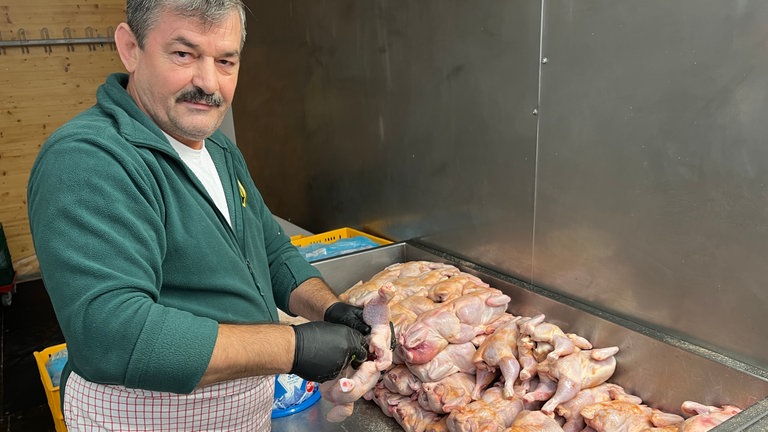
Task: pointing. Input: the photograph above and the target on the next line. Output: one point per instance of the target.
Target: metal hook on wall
(68, 35)
(22, 34)
(44, 35)
(89, 35)
(111, 35)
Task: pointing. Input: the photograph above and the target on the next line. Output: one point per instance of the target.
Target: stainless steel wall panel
(653, 166)
(407, 119)
(640, 187)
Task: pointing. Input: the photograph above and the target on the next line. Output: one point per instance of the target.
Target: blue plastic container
(293, 394)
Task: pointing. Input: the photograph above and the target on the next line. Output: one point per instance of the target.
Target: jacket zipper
(238, 221)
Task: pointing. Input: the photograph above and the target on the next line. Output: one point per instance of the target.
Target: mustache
(198, 95)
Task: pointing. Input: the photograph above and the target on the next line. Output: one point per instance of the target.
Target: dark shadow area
(28, 325)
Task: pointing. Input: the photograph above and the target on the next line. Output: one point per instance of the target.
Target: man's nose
(206, 76)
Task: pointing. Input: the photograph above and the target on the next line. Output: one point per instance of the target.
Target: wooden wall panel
(40, 89)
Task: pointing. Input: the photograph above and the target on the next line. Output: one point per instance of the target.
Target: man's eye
(181, 54)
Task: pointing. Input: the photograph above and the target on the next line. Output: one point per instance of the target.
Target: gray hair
(142, 15)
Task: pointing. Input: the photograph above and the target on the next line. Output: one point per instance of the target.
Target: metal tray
(661, 369)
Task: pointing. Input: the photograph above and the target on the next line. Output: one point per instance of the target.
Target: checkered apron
(242, 405)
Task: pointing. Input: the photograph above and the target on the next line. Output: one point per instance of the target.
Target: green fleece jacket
(139, 263)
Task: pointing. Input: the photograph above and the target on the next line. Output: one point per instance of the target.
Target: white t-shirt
(200, 162)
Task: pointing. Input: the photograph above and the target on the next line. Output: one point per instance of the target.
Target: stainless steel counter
(366, 418)
(661, 369)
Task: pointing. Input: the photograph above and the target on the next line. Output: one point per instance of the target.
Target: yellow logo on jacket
(243, 194)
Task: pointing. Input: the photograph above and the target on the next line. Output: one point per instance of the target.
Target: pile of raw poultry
(463, 363)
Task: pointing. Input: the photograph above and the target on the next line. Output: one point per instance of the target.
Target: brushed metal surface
(652, 173)
(643, 190)
(754, 418)
(663, 370)
(367, 417)
(406, 119)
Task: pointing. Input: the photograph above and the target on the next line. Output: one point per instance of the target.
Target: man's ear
(127, 46)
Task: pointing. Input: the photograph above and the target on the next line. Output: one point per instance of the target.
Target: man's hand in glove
(324, 349)
(348, 315)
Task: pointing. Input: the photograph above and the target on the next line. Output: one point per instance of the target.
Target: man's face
(185, 76)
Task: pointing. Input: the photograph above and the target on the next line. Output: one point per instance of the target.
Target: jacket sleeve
(97, 225)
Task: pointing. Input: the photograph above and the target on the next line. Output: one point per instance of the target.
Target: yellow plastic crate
(51, 392)
(332, 236)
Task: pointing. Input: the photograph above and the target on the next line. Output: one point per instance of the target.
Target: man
(163, 264)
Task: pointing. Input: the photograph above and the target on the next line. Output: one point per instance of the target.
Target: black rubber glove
(350, 316)
(324, 349)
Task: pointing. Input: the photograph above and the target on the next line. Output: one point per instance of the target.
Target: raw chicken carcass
(418, 268)
(418, 285)
(416, 277)
(580, 370)
(500, 321)
(626, 416)
(361, 293)
(491, 327)
(499, 350)
(453, 358)
(412, 417)
(376, 314)
(705, 417)
(405, 312)
(571, 410)
(436, 309)
(401, 380)
(542, 350)
(492, 413)
(401, 318)
(403, 275)
(481, 308)
(562, 344)
(343, 392)
(534, 421)
(447, 394)
(414, 304)
(385, 399)
(526, 347)
(528, 363)
(437, 426)
(457, 321)
(544, 390)
(454, 287)
(432, 331)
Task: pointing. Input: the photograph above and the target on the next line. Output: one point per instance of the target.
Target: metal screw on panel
(535, 111)
(544, 60)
